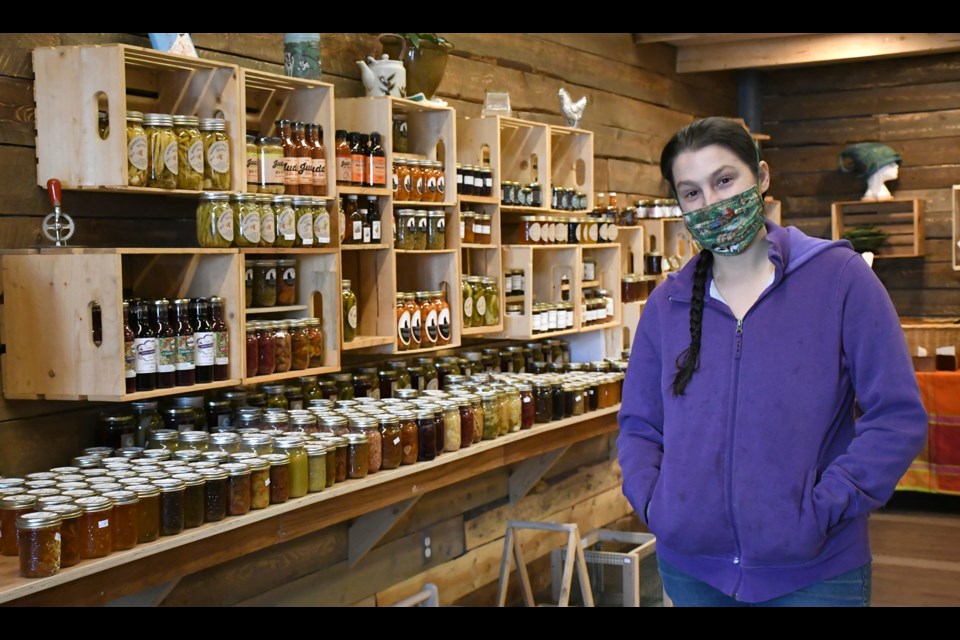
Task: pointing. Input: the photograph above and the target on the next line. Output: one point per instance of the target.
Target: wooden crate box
(902, 220)
(571, 161)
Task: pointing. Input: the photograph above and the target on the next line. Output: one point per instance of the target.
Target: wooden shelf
(157, 393)
(901, 220)
(412, 204)
(475, 245)
(363, 247)
(534, 210)
(477, 331)
(634, 227)
(599, 246)
(579, 213)
(285, 309)
(639, 303)
(541, 247)
(551, 334)
(99, 581)
(598, 327)
(424, 251)
(290, 250)
(478, 199)
(585, 284)
(287, 375)
(363, 342)
(346, 190)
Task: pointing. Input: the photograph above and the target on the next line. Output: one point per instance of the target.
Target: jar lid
(236, 468)
(315, 450)
(144, 489)
(66, 511)
(215, 456)
(213, 124)
(106, 487)
(166, 485)
(76, 494)
(222, 438)
(363, 422)
(356, 438)
(135, 116)
(100, 452)
(213, 473)
(48, 501)
(193, 436)
(288, 443)
(91, 504)
(276, 459)
(337, 441)
(191, 479)
(122, 496)
(436, 214)
(185, 121)
(45, 492)
(158, 119)
(38, 520)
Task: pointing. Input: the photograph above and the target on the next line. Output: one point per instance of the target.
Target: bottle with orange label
(358, 157)
(376, 170)
(344, 172)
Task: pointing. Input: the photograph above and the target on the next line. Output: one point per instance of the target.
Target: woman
(738, 443)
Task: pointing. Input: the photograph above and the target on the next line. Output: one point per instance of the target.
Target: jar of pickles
(189, 152)
(422, 229)
(491, 307)
(350, 312)
(286, 221)
(405, 229)
(436, 230)
(136, 150)
(246, 219)
(216, 154)
(162, 148)
(215, 224)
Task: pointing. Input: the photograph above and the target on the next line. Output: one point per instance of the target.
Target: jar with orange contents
(11, 507)
(428, 315)
(404, 181)
(404, 327)
(38, 541)
(96, 526)
(416, 320)
(124, 518)
(417, 182)
(444, 326)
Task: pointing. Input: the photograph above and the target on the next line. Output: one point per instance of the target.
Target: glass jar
(251, 353)
(316, 467)
(161, 150)
(340, 456)
(116, 429)
(426, 434)
(215, 228)
(467, 302)
(189, 152)
(491, 315)
(491, 414)
(527, 406)
(276, 396)
(436, 231)
(299, 346)
(350, 312)
(216, 493)
(124, 522)
(216, 154)
(165, 438)
(405, 229)
(479, 304)
(270, 165)
(283, 346)
(467, 235)
(136, 150)
(391, 450)
(299, 469)
(279, 477)
(39, 544)
(195, 440)
(266, 348)
(358, 455)
(238, 487)
(451, 426)
(482, 230)
(422, 227)
(96, 526)
(11, 508)
(285, 221)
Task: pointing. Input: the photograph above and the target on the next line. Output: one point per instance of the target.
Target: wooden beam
(151, 597)
(681, 39)
(370, 528)
(529, 472)
(810, 49)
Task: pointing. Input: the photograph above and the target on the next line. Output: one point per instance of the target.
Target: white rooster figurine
(572, 111)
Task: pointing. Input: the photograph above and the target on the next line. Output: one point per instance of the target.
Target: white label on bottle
(366, 235)
(404, 328)
(443, 323)
(602, 233)
(103, 524)
(534, 232)
(481, 306)
(170, 157)
(357, 231)
(468, 179)
(488, 181)
(432, 329)
(268, 228)
(222, 354)
(419, 188)
(463, 229)
(305, 229)
(251, 227)
(588, 270)
(195, 156)
(320, 175)
(485, 230)
(225, 224)
(416, 323)
(321, 227)
(441, 225)
(185, 353)
(431, 185)
(137, 152)
(560, 232)
(569, 314)
(468, 307)
(433, 384)
(376, 231)
(352, 317)
(146, 353)
(253, 171)
(206, 348)
(612, 233)
(218, 156)
(537, 322)
(287, 224)
(129, 360)
(477, 228)
(551, 319)
(593, 232)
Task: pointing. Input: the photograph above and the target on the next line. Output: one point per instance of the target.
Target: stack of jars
(260, 220)
(360, 222)
(280, 346)
(418, 181)
(481, 301)
(474, 180)
(292, 163)
(657, 208)
(423, 320)
(420, 229)
(568, 199)
(596, 306)
(177, 152)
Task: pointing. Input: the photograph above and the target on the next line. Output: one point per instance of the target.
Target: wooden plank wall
(635, 102)
(911, 104)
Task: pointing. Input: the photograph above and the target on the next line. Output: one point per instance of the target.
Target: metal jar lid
(48, 501)
(66, 511)
(213, 124)
(122, 496)
(144, 490)
(288, 443)
(257, 464)
(93, 504)
(316, 449)
(106, 487)
(157, 120)
(38, 520)
(276, 459)
(167, 485)
(214, 473)
(357, 438)
(236, 468)
(191, 479)
(194, 436)
(45, 492)
(215, 456)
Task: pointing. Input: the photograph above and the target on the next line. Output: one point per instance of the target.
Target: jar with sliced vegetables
(189, 152)
(303, 207)
(286, 221)
(136, 150)
(246, 219)
(268, 220)
(161, 150)
(216, 154)
(214, 221)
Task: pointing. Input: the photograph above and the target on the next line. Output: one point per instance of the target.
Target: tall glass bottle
(145, 348)
(344, 172)
(376, 167)
(221, 363)
(129, 352)
(166, 345)
(373, 215)
(357, 157)
(180, 321)
(315, 135)
(304, 158)
(204, 340)
(291, 162)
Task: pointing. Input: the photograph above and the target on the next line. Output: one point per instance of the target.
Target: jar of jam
(340, 456)
(238, 488)
(216, 493)
(467, 219)
(391, 441)
(426, 432)
(70, 537)
(11, 508)
(38, 543)
(96, 526)
(299, 469)
(482, 229)
(147, 511)
(125, 509)
(171, 505)
(195, 440)
(358, 455)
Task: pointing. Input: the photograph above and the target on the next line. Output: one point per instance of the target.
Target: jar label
(403, 328)
(431, 323)
(612, 232)
(468, 179)
(468, 307)
(408, 185)
(250, 227)
(137, 152)
(170, 157)
(206, 348)
(537, 324)
(433, 384)
(321, 227)
(488, 181)
(287, 223)
(422, 225)
(320, 174)
(103, 524)
(146, 355)
(344, 169)
(291, 170)
(443, 323)
(602, 233)
(379, 171)
(352, 317)
(167, 354)
(560, 232)
(253, 170)
(396, 181)
(195, 156)
(356, 169)
(485, 231)
(417, 326)
(441, 225)
(305, 228)
(268, 228)
(343, 224)
(411, 225)
(431, 185)
(375, 231)
(185, 353)
(481, 305)
(569, 314)
(366, 235)
(225, 224)
(533, 231)
(222, 356)
(129, 360)
(270, 277)
(218, 156)
(594, 231)
(441, 186)
(477, 228)
(418, 187)
(463, 229)
(357, 233)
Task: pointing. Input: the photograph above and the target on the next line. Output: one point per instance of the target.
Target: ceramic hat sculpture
(874, 161)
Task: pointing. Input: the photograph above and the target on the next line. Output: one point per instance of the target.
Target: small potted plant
(424, 56)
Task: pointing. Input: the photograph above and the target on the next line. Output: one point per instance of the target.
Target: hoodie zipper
(731, 427)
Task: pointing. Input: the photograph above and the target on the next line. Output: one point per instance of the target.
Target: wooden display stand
(902, 220)
(573, 557)
(72, 84)
(955, 225)
(571, 162)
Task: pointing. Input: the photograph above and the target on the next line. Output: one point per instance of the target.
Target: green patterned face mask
(729, 226)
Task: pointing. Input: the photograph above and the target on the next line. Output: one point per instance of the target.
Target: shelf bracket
(149, 597)
(529, 472)
(367, 530)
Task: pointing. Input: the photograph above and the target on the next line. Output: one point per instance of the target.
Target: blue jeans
(850, 589)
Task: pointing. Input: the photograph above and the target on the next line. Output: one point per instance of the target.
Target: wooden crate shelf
(955, 225)
(571, 162)
(39, 336)
(417, 204)
(478, 199)
(73, 83)
(902, 220)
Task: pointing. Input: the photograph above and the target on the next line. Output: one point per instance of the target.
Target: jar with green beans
(189, 152)
(162, 147)
(216, 154)
(286, 221)
(268, 220)
(246, 219)
(136, 150)
(215, 228)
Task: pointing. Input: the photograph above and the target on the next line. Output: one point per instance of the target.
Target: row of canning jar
(177, 152)
(261, 220)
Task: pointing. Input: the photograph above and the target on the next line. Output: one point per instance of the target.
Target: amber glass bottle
(291, 174)
(344, 173)
(304, 159)
(319, 152)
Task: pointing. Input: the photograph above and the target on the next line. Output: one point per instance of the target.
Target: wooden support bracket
(529, 472)
(367, 530)
(150, 597)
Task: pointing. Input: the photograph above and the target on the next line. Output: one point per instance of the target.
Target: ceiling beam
(810, 49)
(683, 39)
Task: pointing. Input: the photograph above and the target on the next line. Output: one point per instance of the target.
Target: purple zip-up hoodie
(759, 481)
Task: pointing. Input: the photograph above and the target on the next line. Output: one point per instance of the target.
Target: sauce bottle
(373, 215)
(357, 156)
(129, 352)
(145, 348)
(354, 221)
(376, 169)
(205, 341)
(221, 362)
(180, 321)
(304, 159)
(319, 152)
(291, 163)
(344, 159)
(166, 345)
